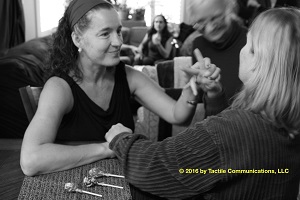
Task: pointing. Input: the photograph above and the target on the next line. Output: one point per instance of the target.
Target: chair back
(30, 97)
(137, 35)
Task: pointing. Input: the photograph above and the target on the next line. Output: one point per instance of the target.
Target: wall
(30, 19)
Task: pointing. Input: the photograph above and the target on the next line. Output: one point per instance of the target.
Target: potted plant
(138, 9)
(122, 8)
(138, 14)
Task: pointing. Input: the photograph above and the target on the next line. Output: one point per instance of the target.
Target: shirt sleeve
(215, 105)
(173, 168)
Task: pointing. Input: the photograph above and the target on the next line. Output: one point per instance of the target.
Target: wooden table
(11, 175)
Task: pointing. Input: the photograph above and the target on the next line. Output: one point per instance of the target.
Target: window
(49, 12)
(48, 15)
(171, 9)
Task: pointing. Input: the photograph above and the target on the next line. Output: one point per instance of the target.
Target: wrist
(189, 97)
(105, 151)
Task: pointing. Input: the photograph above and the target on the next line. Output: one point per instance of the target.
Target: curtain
(12, 23)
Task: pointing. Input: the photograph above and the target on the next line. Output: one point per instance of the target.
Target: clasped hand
(115, 130)
(203, 75)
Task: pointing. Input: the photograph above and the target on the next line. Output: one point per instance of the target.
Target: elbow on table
(29, 164)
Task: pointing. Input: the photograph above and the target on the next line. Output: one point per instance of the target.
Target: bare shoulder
(133, 73)
(57, 83)
(58, 92)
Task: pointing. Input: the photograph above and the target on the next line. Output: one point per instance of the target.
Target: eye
(119, 32)
(104, 34)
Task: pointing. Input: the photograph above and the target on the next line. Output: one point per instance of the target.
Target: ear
(76, 39)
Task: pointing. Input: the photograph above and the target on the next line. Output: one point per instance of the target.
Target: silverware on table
(91, 181)
(71, 187)
(97, 172)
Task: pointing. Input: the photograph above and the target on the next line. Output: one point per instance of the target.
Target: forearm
(162, 51)
(149, 165)
(125, 46)
(140, 48)
(47, 158)
(145, 164)
(185, 107)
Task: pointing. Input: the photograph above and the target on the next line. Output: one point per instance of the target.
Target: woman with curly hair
(89, 90)
(156, 45)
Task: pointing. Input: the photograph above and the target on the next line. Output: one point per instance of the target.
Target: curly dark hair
(63, 53)
(165, 32)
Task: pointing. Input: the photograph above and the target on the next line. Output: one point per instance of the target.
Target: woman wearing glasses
(222, 38)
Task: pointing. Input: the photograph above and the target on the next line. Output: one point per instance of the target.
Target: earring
(79, 50)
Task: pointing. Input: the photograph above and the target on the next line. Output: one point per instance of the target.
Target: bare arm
(153, 97)
(39, 153)
(165, 51)
(140, 47)
(133, 48)
(203, 75)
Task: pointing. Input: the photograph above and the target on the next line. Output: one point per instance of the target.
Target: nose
(116, 39)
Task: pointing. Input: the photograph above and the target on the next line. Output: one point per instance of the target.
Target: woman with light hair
(249, 151)
(269, 69)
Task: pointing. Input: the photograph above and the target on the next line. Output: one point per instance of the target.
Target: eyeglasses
(214, 21)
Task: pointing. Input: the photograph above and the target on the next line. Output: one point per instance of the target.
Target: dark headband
(78, 8)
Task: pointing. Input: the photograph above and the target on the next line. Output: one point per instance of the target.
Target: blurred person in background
(222, 37)
(156, 45)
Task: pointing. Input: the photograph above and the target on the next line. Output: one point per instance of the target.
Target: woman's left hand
(203, 75)
(115, 130)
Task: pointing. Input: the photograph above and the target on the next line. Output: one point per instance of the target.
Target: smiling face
(101, 42)
(211, 18)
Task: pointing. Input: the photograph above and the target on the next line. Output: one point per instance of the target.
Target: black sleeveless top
(87, 121)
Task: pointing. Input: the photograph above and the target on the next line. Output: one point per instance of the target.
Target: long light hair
(273, 88)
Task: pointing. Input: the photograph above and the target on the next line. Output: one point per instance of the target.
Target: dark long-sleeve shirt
(241, 154)
(225, 55)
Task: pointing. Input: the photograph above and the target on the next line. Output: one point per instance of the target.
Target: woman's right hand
(204, 75)
(156, 39)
